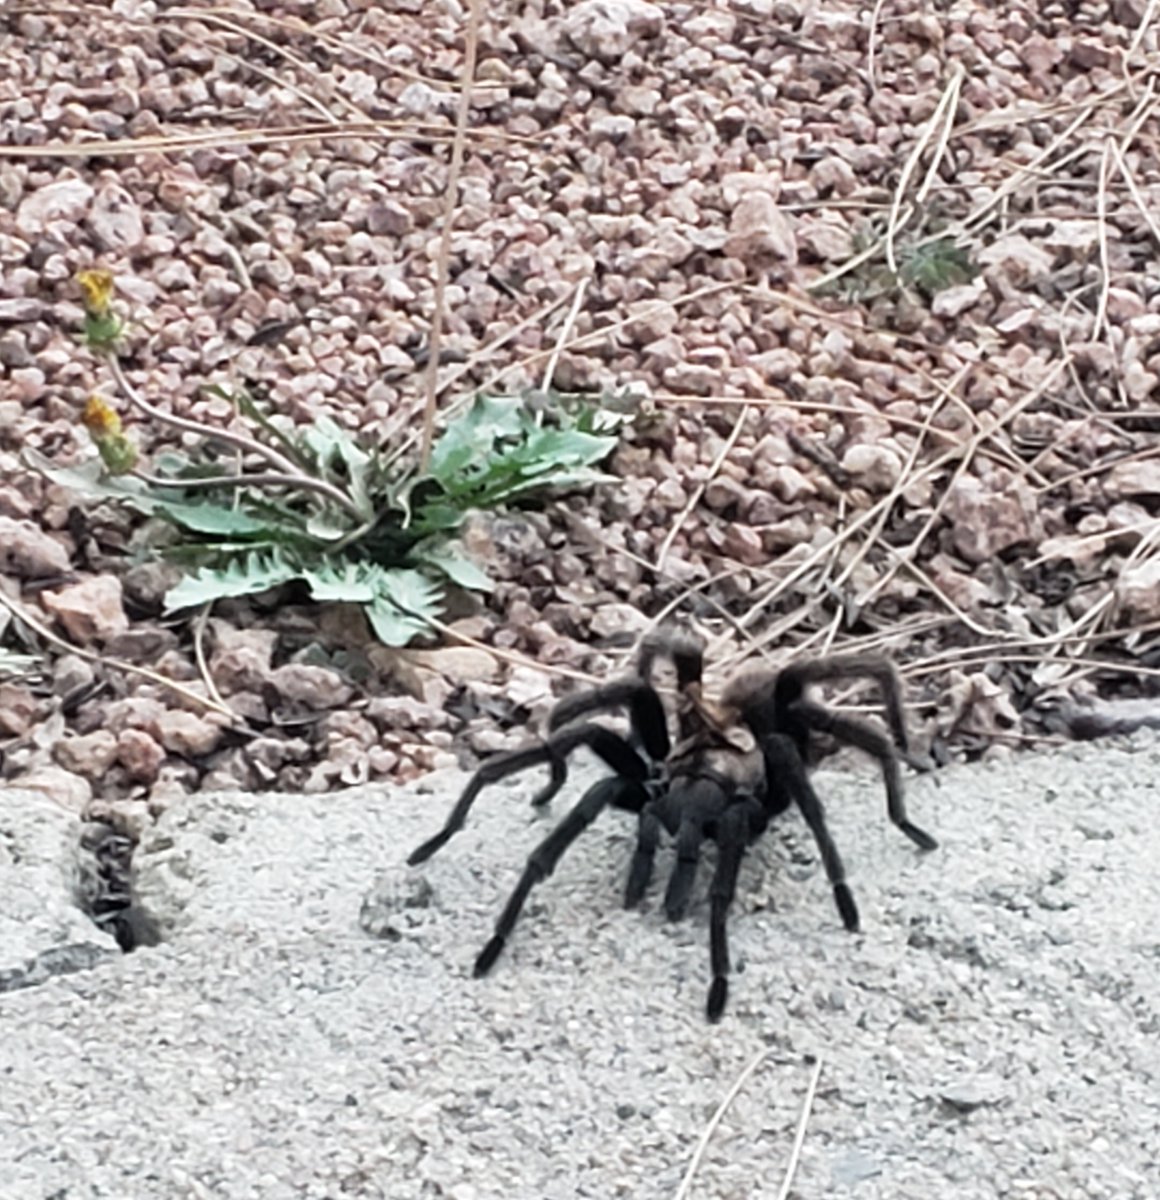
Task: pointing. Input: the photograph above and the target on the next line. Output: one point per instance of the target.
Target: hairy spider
(706, 786)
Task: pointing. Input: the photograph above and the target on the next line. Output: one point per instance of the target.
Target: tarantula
(706, 786)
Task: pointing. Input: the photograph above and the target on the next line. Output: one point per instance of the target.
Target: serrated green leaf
(405, 603)
(392, 626)
(468, 441)
(243, 577)
(408, 588)
(936, 266)
(455, 565)
(214, 520)
(329, 444)
(342, 582)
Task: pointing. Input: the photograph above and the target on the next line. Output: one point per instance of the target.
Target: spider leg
(866, 737)
(647, 840)
(690, 835)
(617, 792)
(558, 776)
(646, 713)
(733, 834)
(857, 666)
(784, 769)
(609, 746)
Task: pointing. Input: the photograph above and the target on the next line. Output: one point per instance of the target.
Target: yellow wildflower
(102, 326)
(100, 418)
(97, 286)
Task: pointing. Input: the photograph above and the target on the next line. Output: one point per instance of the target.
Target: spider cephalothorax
(732, 768)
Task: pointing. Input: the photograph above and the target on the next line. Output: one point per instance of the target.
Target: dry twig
(715, 1120)
(451, 203)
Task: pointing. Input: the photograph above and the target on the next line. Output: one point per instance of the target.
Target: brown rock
(777, 364)
(954, 301)
(692, 378)
(992, 515)
(140, 755)
(833, 175)
(115, 220)
(874, 466)
(405, 712)
(611, 619)
(457, 664)
(785, 482)
(18, 310)
(271, 754)
(389, 217)
(90, 755)
(19, 708)
(64, 200)
(760, 233)
(831, 241)
(529, 688)
(27, 552)
(651, 321)
(146, 583)
(186, 734)
(432, 675)
(89, 610)
(723, 492)
(744, 543)
(352, 727)
(608, 29)
(1134, 479)
(144, 644)
(309, 686)
(133, 712)
(670, 494)
(241, 658)
(1018, 257)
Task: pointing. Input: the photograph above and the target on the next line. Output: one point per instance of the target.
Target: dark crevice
(104, 885)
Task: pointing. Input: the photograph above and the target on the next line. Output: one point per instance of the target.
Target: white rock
(115, 220)
(877, 467)
(65, 200)
(608, 29)
(1138, 591)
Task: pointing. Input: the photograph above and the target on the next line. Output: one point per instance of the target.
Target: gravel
(680, 208)
(308, 1027)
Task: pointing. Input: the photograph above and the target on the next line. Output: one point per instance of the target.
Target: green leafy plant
(931, 267)
(926, 265)
(264, 503)
(339, 518)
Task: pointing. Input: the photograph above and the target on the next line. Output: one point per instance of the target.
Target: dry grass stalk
(451, 203)
(565, 332)
(116, 664)
(799, 1136)
(687, 1182)
(699, 490)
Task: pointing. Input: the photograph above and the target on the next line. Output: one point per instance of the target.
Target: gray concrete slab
(993, 1032)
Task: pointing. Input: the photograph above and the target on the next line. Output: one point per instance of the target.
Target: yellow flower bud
(97, 287)
(100, 418)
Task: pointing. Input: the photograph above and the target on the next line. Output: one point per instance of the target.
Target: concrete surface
(309, 1028)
